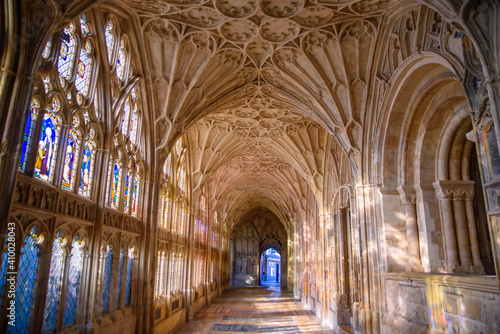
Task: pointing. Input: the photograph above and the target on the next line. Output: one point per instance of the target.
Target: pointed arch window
(114, 183)
(130, 268)
(48, 144)
(107, 272)
(71, 157)
(84, 72)
(74, 276)
(87, 166)
(122, 61)
(135, 193)
(56, 272)
(27, 279)
(28, 133)
(110, 39)
(68, 52)
(160, 274)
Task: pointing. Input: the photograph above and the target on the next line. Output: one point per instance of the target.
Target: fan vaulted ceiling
(262, 88)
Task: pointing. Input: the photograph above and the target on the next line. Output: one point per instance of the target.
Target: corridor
(254, 310)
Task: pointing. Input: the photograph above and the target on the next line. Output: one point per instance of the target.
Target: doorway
(270, 264)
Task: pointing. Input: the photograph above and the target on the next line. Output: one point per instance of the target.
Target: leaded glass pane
(122, 60)
(28, 133)
(67, 54)
(108, 267)
(128, 188)
(47, 147)
(75, 272)
(84, 71)
(84, 25)
(87, 167)
(128, 288)
(133, 125)
(115, 189)
(27, 277)
(120, 279)
(110, 39)
(126, 117)
(182, 178)
(54, 285)
(135, 192)
(71, 160)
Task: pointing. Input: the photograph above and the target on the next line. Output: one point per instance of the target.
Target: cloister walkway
(255, 310)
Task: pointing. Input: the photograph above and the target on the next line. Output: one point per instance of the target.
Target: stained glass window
(182, 178)
(135, 192)
(173, 262)
(110, 39)
(160, 274)
(84, 25)
(128, 188)
(120, 280)
(183, 217)
(126, 117)
(87, 167)
(27, 277)
(67, 53)
(47, 49)
(130, 268)
(47, 147)
(71, 158)
(116, 184)
(121, 62)
(108, 266)
(133, 125)
(166, 202)
(55, 281)
(75, 272)
(28, 133)
(84, 71)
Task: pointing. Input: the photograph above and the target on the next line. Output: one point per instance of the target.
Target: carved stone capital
(454, 190)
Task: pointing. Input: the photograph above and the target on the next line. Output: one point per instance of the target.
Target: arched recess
(429, 211)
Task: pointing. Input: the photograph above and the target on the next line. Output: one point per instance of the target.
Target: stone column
(458, 197)
(448, 225)
(471, 223)
(408, 198)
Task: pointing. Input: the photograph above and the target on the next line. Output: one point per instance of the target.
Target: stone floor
(255, 310)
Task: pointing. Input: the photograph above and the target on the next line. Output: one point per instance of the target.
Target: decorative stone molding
(454, 190)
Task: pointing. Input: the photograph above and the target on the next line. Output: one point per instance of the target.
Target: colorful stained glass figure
(108, 266)
(126, 117)
(55, 283)
(135, 192)
(84, 70)
(28, 133)
(115, 189)
(75, 272)
(67, 53)
(108, 184)
(47, 49)
(47, 147)
(27, 279)
(71, 160)
(130, 268)
(128, 188)
(120, 280)
(110, 39)
(87, 167)
(121, 62)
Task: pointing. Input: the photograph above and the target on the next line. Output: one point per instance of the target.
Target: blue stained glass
(47, 147)
(67, 53)
(134, 195)
(115, 189)
(3, 273)
(127, 191)
(27, 276)
(75, 271)
(28, 133)
(120, 279)
(87, 168)
(108, 266)
(128, 288)
(70, 160)
(54, 285)
(121, 62)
